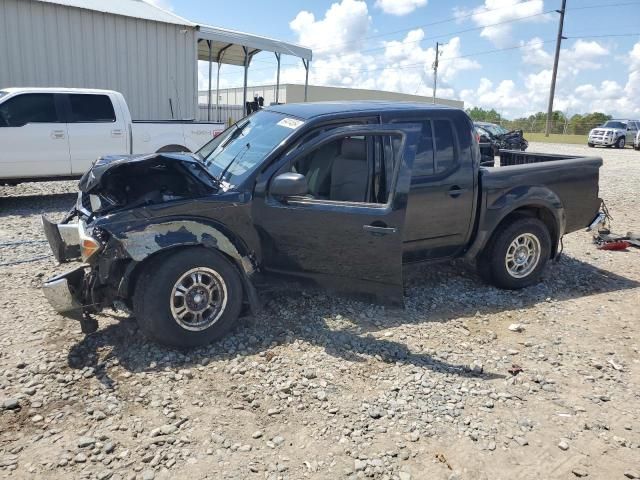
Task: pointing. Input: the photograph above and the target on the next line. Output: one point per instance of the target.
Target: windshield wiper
(226, 169)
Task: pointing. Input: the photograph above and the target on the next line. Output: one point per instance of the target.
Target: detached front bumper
(67, 293)
(64, 293)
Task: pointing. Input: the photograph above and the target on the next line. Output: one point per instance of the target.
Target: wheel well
(541, 213)
(173, 149)
(138, 267)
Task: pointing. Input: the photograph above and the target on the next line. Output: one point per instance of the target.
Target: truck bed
(569, 182)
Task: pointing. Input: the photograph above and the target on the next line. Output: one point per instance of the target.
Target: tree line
(577, 124)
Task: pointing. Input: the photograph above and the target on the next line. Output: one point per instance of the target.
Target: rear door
(94, 129)
(33, 137)
(442, 195)
(347, 233)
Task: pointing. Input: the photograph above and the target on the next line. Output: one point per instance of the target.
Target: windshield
(615, 124)
(234, 154)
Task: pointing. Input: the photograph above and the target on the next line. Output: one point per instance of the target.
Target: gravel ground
(321, 387)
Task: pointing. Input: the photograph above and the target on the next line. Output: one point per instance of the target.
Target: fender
(151, 238)
(496, 210)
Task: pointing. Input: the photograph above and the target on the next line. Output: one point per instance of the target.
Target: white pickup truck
(56, 133)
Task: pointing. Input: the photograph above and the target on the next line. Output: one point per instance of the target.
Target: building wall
(48, 45)
(293, 93)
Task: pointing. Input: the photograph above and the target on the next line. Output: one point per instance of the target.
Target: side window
(446, 154)
(91, 109)
(349, 169)
(423, 163)
(28, 108)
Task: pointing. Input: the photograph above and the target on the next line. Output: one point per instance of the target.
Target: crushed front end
(73, 294)
(114, 187)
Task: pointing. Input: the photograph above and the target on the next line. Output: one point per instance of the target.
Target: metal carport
(230, 47)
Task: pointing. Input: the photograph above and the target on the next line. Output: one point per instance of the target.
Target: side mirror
(289, 185)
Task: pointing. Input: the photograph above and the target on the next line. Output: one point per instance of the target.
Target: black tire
(492, 263)
(153, 297)
(620, 143)
(591, 145)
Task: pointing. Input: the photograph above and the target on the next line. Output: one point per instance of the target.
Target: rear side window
(91, 109)
(423, 163)
(445, 158)
(28, 108)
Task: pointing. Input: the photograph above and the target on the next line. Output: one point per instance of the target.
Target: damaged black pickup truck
(340, 194)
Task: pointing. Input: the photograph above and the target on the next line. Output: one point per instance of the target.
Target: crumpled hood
(102, 165)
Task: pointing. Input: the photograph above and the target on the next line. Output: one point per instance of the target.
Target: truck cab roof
(54, 90)
(316, 109)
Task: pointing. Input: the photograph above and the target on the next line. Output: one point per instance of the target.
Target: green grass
(556, 138)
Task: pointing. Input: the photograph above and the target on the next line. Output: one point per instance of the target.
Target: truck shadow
(347, 329)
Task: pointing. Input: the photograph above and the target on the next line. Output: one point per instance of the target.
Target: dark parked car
(341, 194)
(499, 138)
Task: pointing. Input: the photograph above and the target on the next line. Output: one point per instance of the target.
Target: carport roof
(227, 45)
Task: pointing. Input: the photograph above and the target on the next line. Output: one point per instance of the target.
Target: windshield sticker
(290, 123)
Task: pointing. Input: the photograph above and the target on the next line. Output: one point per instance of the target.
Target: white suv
(615, 133)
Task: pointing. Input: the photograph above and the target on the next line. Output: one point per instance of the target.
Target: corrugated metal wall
(46, 45)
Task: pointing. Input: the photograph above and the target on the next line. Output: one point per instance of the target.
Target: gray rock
(80, 458)
(580, 472)
(256, 434)
(516, 327)
(11, 404)
(632, 474)
(522, 441)
(168, 429)
(84, 442)
(359, 465)
(563, 445)
(148, 474)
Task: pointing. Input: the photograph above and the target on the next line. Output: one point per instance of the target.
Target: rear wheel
(621, 142)
(188, 298)
(516, 254)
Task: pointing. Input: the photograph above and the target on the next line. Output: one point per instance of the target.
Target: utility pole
(552, 91)
(435, 72)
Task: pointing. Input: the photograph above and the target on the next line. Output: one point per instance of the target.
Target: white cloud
(494, 12)
(343, 28)
(399, 7)
(609, 96)
(400, 65)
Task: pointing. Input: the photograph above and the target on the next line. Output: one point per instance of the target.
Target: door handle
(378, 230)
(456, 191)
(116, 133)
(57, 134)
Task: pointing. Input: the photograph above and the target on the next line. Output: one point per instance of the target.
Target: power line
(469, 15)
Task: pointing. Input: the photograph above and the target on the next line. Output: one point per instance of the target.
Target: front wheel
(620, 143)
(188, 298)
(591, 145)
(516, 254)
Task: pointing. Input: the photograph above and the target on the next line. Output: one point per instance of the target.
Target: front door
(33, 137)
(347, 232)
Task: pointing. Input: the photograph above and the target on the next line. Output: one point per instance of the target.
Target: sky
(495, 53)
